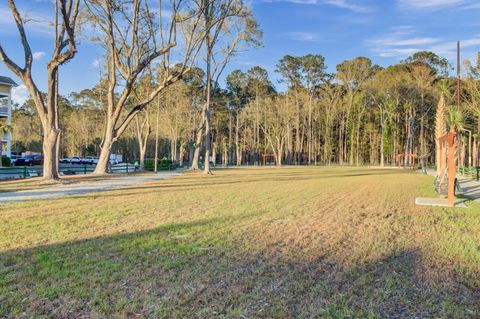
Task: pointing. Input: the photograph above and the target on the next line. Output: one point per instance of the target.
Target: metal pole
(458, 75)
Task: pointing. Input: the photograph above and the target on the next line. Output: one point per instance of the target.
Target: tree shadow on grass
(186, 270)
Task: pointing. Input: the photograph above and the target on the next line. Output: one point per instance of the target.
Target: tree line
(362, 114)
(147, 106)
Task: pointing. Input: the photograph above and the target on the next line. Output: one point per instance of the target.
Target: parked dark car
(29, 160)
(89, 160)
(14, 158)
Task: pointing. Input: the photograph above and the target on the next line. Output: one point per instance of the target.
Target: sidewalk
(470, 188)
(80, 188)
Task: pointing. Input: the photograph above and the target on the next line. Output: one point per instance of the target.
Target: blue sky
(386, 31)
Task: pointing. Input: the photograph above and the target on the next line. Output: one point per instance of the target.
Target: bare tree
(331, 95)
(143, 131)
(230, 26)
(143, 128)
(135, 37)
(64, 26)
(352, 74)
(277, 119)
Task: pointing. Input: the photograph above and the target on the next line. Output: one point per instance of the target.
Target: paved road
(80, 188)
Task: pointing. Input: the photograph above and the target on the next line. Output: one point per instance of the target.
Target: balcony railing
(3, 111)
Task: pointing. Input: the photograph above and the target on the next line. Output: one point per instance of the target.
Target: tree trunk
(297, 132)
(142, 158)
(358, 144)
(50, 160)
(214, 153)
(382, 138)
(198, 145)
(106, 150)
(237, 142)
(230, 138)
(341, 132)
(310, 132)
(278, 157)
(352, 147)
(182, 153)
(422, 131)
(143, 133)
(225, 155)
(155, 165)
(207, 141)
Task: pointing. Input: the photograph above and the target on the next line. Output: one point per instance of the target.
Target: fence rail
(19, 172)
(14, 172)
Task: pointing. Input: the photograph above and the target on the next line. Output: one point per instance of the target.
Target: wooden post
(440, 166)
(451, 169)
(448, 139)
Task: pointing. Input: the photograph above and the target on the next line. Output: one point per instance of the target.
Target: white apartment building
(6, 85)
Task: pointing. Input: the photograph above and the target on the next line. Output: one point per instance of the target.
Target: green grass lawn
(244, 243)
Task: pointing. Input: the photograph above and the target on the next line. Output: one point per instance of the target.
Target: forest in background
(362, 114)
(162, 94)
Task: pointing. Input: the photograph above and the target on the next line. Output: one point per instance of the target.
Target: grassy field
(244, 243)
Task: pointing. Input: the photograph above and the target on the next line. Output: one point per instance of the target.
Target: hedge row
(164, 164)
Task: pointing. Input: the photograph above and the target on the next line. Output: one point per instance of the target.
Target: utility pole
(458, 75)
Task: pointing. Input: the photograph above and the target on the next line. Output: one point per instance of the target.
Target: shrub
(163, 164)
(6, 162)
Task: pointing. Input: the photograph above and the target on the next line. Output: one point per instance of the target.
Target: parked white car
(71, 160)
(90, 160)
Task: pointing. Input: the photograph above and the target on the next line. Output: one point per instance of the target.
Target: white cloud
(448, 49)
(96, 63)
(403, 41)
(396, 53)
(303, 36)
(421, 4)
(38, 55)
(343, 4)
(20, 94)
(398, 41)
(437, 4)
